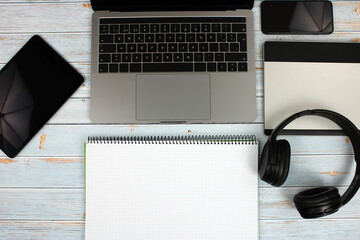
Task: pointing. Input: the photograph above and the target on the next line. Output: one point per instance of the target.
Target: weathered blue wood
(47, 184)
(68, 172)
(66, 140)
(69, 204)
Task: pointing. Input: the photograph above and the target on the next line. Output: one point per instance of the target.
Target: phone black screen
(34, 84)
(296, 17)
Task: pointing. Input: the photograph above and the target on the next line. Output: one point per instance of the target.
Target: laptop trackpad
(173, 97)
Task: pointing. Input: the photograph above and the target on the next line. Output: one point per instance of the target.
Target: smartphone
(297, 17)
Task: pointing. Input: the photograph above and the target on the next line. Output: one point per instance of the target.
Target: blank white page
(171, 191)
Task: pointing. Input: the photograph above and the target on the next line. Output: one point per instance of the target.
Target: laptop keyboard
(211, 44)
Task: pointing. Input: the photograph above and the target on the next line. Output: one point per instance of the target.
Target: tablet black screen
(33, 86)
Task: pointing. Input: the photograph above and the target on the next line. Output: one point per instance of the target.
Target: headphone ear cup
(281, 168)
(317, 202)
(265, 163)
(286, 161)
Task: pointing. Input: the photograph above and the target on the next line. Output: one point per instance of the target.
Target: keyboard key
(209, 57)
(215, 27)
(170, 37)
(242, 67)
(152, 48)
(139, 38)
(104, 58)
(131, 47)
(234, 47)
(178, 57)
(126, 57)
(231, 37)
(144, 28)
(185, 27)
(136, 57)
(183, 47)
(190, 37)
(147, 57)
(160, 37)
(167, 67)
(149, 38)
(235, 57)
(198, 57)
(203, 47)
(113, 68)
(205, 27)
(173, 47)
(193, 47)
(121, 48)
(106, 38)
(104, 28)
(124, 67)
(167, 57)
(214, 47)
(221, 67)
(114, 28)
(226, 27)
(157, 57)
(129, 38)
(154, 28)
(200, 37)
(162, 47)
(224, 47)
(116, 57)
(134, 28)
(135, 67)
(175, 27)
(180, 37)
(219, 57)
(165, 28)
(195, 27)
(200, 67)
(238, 27)
(107, 48)
(103, 68)
(141, 47)
(211, 37)
(232, 67)
(124, 28)
(242, 39)
(221, 37)
(119, 38)
(211, 67)
(188, 57)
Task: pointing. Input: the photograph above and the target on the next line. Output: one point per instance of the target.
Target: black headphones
(275, 163)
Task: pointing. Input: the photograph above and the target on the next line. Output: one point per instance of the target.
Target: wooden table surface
(42, 190)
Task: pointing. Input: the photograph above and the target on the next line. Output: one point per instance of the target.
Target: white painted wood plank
(269, 230)
(42, 204)
(68, 172)
(67, 140)
(69, 204)
(47, 230)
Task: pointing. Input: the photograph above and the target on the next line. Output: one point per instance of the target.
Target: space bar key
(167, 67)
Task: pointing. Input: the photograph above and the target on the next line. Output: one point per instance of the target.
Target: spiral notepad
(164, 188)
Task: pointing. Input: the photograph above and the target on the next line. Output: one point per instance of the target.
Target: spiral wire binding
(200, 139)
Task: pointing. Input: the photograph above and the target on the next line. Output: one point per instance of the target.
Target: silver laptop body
(172, 97)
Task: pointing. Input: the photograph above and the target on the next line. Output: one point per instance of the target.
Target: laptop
(172, 62)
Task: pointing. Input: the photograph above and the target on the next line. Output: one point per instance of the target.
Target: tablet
(34, 84)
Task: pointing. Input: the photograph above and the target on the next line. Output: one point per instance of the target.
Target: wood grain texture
(69, 204)
(68, 172)
(42, 190)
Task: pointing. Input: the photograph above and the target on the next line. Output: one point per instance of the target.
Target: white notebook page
(171, 191)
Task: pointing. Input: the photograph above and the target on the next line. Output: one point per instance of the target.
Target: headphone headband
(349, 129)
